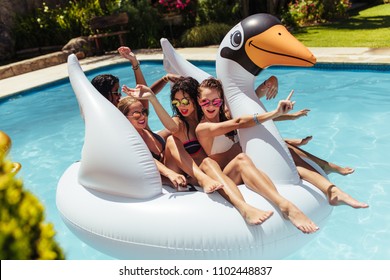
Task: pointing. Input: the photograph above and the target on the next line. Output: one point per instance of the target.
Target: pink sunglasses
(217, 102)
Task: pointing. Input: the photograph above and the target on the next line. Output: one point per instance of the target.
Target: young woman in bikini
(216, 134)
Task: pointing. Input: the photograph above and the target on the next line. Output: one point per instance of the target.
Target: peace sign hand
(286, 105)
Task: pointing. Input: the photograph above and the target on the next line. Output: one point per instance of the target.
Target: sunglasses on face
(137, 114)
(183, 102)
(217, 102)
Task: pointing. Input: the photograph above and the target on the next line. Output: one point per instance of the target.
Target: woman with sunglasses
(187, 113)
(182, 149)
(137, 114)
(217, 136)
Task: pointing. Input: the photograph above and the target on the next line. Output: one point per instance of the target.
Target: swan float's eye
(236, 39)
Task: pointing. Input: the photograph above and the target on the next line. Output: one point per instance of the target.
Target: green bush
(209, 34)
(305, 12)
(23, 233)
(218, 11)
(145, 24)
(47, 26)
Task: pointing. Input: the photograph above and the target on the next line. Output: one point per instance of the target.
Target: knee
(243, 158)
(170, 141)
(208, 163)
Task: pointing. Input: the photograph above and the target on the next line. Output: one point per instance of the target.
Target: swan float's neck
(262, 143)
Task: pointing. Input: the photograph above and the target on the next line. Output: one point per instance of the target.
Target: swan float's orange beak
(276, 46)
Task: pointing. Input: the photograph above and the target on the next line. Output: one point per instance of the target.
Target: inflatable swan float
(114, 201)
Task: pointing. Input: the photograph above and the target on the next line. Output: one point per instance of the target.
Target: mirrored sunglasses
(217, 102)
(183, 102)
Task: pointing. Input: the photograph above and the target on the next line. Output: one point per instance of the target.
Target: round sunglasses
(184, 102)
(137, 114)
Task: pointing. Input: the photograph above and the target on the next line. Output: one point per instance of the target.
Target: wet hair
(189, 86)
(216, 84)
(125, 103)
(104, 83)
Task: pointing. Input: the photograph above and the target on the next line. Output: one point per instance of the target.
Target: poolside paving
(19, 83)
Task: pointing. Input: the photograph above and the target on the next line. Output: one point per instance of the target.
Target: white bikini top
(222, 144)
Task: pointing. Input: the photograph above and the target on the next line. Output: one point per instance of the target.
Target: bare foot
(334, 168)
(209, 185)
(338, 197)
(298, 218)
(254, 216)
(299, 142)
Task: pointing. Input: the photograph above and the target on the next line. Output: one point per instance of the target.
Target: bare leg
(177, 159)
(334, 194)
(231, 193)
(328, 167)
(299, 142)
(242, 169)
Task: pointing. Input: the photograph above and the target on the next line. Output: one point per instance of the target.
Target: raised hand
(172, 77)
(269, 88)
(140, 92)
(286, 105)
(300, 113)
(126, 52)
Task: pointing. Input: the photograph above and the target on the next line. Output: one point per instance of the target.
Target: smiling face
(183, 103)
(134, 112)
(211, 102)
(138, 115)
(260, 41)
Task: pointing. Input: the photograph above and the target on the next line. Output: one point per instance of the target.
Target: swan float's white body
(113, 199)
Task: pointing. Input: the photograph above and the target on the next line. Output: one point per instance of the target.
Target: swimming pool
(348, 120)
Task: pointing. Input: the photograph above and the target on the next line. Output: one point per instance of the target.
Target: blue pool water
(348, 120)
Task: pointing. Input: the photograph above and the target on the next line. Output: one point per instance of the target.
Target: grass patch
(368, 28)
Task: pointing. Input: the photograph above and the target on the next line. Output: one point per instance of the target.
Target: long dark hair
(104, 83)
(216, 84)
(189, 86)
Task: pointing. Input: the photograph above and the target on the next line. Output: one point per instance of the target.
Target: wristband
(255, 119)
(136, 67)
(165, 79)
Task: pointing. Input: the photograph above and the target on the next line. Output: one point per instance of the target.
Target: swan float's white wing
(114, 158)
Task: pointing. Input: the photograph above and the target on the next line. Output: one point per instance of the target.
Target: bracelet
(136, 67)
(255, 119)
(165, 79)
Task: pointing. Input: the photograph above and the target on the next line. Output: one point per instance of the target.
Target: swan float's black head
(260, 41)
